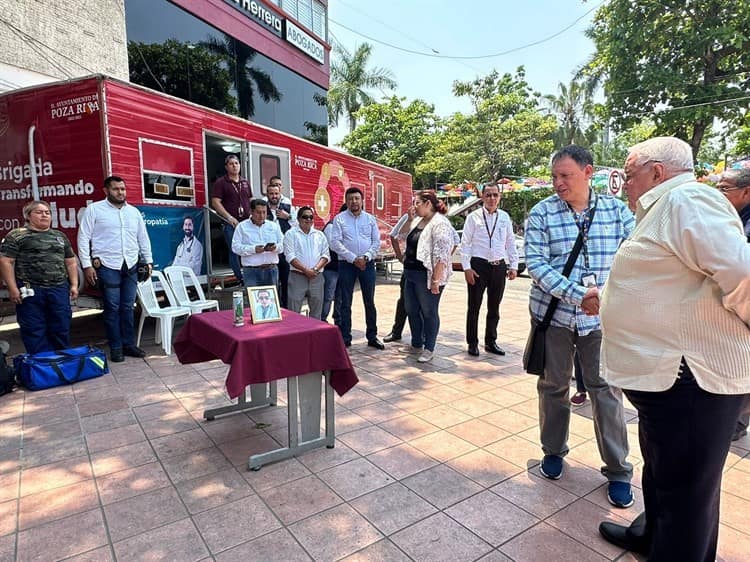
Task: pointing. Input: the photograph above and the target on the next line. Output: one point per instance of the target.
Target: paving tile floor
(432, 462)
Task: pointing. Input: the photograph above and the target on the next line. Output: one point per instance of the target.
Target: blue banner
(177, 236)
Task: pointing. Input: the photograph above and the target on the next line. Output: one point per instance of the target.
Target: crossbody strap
(552, 307)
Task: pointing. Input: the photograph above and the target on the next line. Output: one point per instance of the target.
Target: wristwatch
(316, 270)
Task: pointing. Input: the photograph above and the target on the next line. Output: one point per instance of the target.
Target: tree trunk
(699, 130)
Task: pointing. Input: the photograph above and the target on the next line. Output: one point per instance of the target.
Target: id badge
(588, 280)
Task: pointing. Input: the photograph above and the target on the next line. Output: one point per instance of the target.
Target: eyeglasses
(627, 177)
(307, 217)
(263, 297)
(275, 185)
(728, 189)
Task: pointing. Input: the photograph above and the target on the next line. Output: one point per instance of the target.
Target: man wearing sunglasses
(735, 185)
(306, 250)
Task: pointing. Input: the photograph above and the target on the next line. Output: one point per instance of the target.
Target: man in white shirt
(356, 239)
(111, 238)
(258, 242)
(488, 257)
(306, 249)
(675, 316)
(190, 250)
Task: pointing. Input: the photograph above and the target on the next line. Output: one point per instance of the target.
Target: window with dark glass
(167, 172)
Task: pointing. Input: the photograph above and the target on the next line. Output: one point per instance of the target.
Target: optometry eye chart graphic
(264, 304)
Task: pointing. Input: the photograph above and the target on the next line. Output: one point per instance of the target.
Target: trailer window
(379, 196)
(167, 172)
(269, 166)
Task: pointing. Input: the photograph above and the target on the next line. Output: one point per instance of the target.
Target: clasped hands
(590, 304)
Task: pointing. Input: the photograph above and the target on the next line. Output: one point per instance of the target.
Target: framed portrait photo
(264, 304)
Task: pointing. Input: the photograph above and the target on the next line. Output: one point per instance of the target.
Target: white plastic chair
(176, 275)
(164, 316)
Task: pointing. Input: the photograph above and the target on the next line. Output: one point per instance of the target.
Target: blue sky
(465, 28)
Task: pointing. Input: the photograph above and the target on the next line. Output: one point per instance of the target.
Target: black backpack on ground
(7, 375)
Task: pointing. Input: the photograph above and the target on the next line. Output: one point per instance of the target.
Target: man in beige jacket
(675, 316)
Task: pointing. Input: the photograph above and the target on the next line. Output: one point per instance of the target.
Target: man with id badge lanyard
(554, 225)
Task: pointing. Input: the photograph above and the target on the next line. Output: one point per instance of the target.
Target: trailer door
(267, 161)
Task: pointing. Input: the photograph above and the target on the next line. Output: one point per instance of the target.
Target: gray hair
(29, 207)
(675, 154)
(740, 176)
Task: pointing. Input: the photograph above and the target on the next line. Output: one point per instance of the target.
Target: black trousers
(492, 280)
(283, 280)
(399, 321)
(684, 434)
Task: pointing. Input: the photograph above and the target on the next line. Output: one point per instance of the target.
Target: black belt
(493, 262)
(264, 266)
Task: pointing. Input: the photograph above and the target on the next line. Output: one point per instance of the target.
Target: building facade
(48, 41)
(263, 60)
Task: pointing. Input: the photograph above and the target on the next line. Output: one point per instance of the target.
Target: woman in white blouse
(427, 268)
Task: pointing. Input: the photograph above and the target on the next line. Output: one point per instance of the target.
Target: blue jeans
(257, 277)
(44, 319)
(421, 309)
(234, 259)
(119, 289)
(329, 292)
(348, 274)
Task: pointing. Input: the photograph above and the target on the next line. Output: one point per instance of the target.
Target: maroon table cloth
(260, 353)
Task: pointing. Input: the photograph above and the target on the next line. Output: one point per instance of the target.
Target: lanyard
(490, 233)
(583, 222)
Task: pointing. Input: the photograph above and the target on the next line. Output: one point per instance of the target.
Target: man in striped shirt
(551, 232)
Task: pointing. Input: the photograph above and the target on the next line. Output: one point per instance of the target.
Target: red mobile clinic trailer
(59, 141)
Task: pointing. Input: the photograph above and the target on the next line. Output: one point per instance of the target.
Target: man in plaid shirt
(552, 229)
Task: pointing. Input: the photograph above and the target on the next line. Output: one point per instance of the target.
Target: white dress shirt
(286, 201)
(248, 235)
(476, 241)
(189, 254)
(679, 287)
(114, 235)
(353, 236)
(307, 248)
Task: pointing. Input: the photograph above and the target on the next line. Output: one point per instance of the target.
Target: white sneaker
(411, 350)
(425, 356)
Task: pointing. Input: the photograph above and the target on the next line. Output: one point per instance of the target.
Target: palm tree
(573, 106)
(246, 78)
(349, 78)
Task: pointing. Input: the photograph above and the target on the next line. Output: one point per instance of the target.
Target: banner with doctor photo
(177, 236)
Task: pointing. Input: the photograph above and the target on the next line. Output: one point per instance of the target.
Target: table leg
(308, 387)
(259, 396)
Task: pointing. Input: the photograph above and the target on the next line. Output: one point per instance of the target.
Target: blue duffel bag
(55, 368)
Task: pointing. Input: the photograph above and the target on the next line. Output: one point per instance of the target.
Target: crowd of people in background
(650, 301)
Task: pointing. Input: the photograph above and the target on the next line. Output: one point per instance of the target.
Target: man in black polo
(488, 256)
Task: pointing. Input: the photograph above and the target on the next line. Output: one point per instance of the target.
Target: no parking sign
(614, 184)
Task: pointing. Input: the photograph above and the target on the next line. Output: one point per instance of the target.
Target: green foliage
(247, 80)
(518, 203)
(350, 79)
(394, 134)
(505, 135)
(190, 72)
(683, 63)
(613, 151)
(573, 106)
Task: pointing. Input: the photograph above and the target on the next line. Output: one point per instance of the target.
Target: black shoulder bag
(533, 355)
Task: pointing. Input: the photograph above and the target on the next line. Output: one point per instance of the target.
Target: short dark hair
(302, 210)
(740, 176)
(188, 217)
(578, 154)
(258, 203)
(354, 190)
(231, 157)
(272, 178)
(108, 181)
